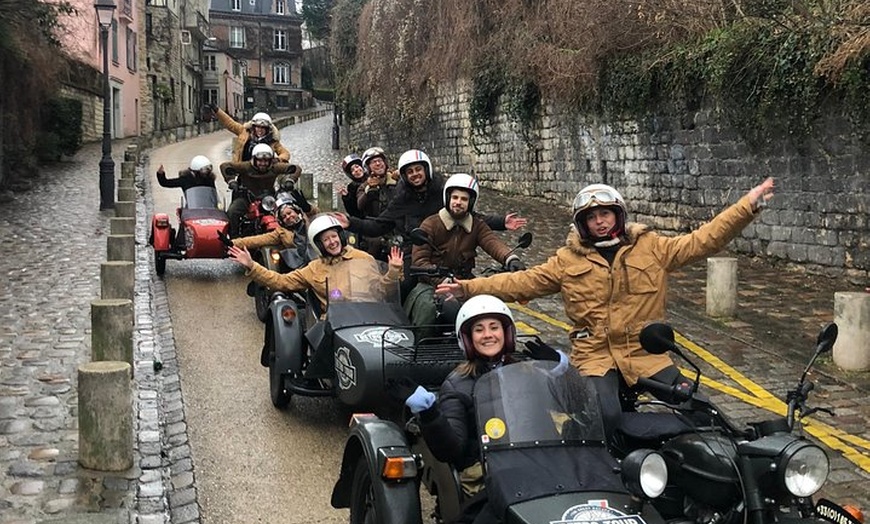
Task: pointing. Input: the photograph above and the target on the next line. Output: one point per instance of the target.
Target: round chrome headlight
(645, 473)
(804, 468)
(268, 203)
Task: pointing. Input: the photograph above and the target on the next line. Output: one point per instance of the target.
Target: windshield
(201, 197)
(525, 404)
(360, 280)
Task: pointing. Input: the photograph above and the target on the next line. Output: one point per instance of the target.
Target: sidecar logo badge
(596, 512)
(344, 368)
(375, 336)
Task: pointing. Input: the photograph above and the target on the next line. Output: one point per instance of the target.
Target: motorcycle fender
(397, 502)
(288, 338)
(161, 236)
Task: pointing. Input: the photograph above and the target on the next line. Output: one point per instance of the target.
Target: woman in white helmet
(486, 332)
(198, 173)
(330, 239)
(612, 275)
(259, 130)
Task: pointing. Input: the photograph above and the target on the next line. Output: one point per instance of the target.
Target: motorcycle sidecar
(200, 219)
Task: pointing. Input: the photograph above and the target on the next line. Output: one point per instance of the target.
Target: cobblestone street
(55, 239)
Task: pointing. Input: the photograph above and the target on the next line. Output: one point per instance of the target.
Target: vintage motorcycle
(258, 218)
(724, 474)
(348, 351)
(543, 454)
(200, 219)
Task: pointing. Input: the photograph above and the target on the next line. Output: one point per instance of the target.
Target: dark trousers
(236, 210)
(608, 388)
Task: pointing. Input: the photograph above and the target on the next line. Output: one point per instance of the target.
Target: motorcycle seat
(652, 426)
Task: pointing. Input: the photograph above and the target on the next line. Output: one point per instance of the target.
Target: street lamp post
(105, 12)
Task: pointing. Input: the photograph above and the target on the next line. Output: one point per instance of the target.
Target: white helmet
(262, 119)
(262, 151)
(200, 162)
(598, 195)
(323, 223)
(415, 156)
(484, 306)
(462, 181)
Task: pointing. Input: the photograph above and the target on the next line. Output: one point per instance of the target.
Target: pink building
(82, 40)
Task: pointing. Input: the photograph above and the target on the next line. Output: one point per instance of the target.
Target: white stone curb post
(852, 315)
(721, 287)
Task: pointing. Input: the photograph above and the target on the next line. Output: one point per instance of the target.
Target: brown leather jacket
(458, 243)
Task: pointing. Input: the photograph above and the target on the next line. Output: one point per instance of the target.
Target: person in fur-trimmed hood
(613, 278)
(259, 130)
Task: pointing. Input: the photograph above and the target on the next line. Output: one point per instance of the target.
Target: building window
(114, 42)
(211, 96)
(131, 50)
(210, 63)
(279, 7)
(237, 37)
(280, 43)
(236, 69)
(282, 101)
(237, 5)
(281, 74)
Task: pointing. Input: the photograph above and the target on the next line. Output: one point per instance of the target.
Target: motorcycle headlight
(268, 203)
(645, 473)
(804, 468)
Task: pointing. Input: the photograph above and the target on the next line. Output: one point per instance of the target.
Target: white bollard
(105, 416)
(721, 287)
(852, 315)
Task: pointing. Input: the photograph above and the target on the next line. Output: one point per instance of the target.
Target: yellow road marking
(758, 396)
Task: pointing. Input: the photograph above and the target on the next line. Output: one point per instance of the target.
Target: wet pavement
(51, 259)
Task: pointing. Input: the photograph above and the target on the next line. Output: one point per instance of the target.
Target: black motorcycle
(720, 473)
(543, 455)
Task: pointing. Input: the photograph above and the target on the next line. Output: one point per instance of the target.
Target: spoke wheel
(362, 501)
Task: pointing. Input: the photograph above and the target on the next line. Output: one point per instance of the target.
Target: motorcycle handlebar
(676, 393)
(417, 271)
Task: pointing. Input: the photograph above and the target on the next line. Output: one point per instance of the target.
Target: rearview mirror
(525, 240)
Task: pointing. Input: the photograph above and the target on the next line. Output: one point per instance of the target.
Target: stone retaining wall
(676, 171)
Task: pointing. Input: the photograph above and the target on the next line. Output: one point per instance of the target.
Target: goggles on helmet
(603, 197)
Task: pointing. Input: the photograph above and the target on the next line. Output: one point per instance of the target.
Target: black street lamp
(105, 12)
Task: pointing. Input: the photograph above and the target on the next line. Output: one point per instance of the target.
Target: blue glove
(420, 400)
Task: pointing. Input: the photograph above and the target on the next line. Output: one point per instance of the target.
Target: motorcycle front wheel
(362, 496)
(261, 302)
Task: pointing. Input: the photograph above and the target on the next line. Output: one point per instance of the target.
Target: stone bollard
(131, 154)
(325, 200)
(852, 315)
(125, 209)
(116, 279)
(105, 416)
(112, 330)
(121, 247)
(122, 226)
(128, 169)
(126, 183)
(306, 184)
(126, 194)
(721, 286)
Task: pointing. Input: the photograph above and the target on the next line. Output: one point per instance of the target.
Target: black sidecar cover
(542, 437)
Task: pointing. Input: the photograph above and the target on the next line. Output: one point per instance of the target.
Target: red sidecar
(200, 219)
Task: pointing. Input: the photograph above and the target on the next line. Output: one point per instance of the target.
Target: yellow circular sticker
(494, 428)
